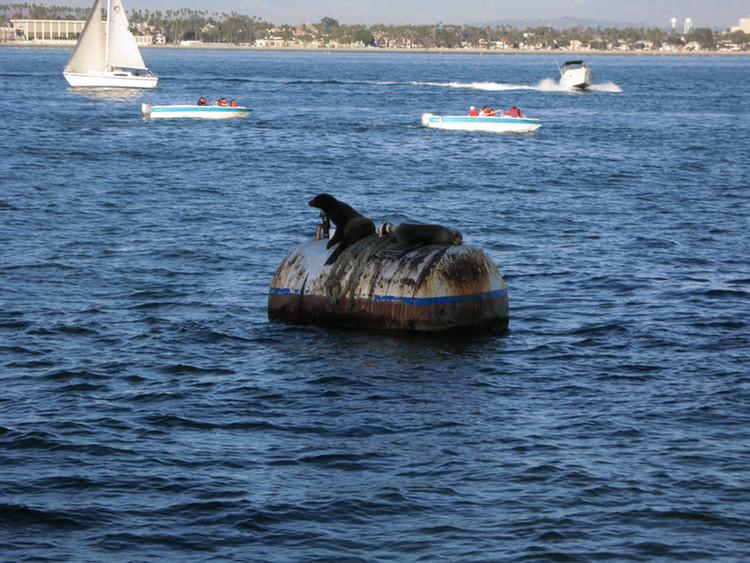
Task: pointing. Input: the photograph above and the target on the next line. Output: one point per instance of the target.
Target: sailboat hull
(116, 79)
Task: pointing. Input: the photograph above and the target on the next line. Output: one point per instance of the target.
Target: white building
(688, 26)
(744, 25)
(58, 31)
(31, 30)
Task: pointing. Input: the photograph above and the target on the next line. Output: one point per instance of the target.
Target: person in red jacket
(473, 111)
(514, 112)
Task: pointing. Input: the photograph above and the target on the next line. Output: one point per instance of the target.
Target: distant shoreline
(61, 44)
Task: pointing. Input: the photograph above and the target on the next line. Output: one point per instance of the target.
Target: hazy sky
(705, 13)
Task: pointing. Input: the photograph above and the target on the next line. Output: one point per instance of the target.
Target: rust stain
(464, 270)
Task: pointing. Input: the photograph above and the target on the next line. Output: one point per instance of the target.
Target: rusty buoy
(377, 283)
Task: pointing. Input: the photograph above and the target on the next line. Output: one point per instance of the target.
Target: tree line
(220, 27)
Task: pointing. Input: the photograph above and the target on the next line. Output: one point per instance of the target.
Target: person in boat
(473, 111)
(202, 101)
(221, 102)
(514, 112)
(486, 111)
(232, 104)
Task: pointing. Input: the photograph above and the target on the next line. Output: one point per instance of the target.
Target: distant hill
(566, 23)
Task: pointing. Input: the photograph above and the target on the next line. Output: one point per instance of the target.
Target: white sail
(123, 52)
(89, 51)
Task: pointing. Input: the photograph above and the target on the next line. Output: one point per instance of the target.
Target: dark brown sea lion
(410, 234)
(350, 225)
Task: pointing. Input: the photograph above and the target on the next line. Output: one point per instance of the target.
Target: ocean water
(151, 412)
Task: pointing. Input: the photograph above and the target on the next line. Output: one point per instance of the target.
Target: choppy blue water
(150, 412)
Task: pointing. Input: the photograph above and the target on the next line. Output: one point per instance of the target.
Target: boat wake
(108, 94)
(605, 87)
(545, 85)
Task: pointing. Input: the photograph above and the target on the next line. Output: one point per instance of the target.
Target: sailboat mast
(106, 43)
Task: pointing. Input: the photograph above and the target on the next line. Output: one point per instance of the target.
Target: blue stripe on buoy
(420, 301)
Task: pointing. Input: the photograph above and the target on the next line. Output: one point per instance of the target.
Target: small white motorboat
(198, 112)
(492, 123)
(575, 74)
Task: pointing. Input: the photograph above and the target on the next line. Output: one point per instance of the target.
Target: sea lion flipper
(335, 238)
(334, 256)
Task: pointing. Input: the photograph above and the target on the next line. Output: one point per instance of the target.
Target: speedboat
(492, 123)
(575, 74)
(198, 112)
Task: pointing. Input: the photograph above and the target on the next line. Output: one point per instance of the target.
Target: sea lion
(410, 234)
(350, 225)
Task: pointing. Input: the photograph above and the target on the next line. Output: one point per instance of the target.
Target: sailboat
(107, 56)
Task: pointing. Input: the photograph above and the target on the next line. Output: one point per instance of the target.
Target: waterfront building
(744, 25)
(35, 30)
(56, 31)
